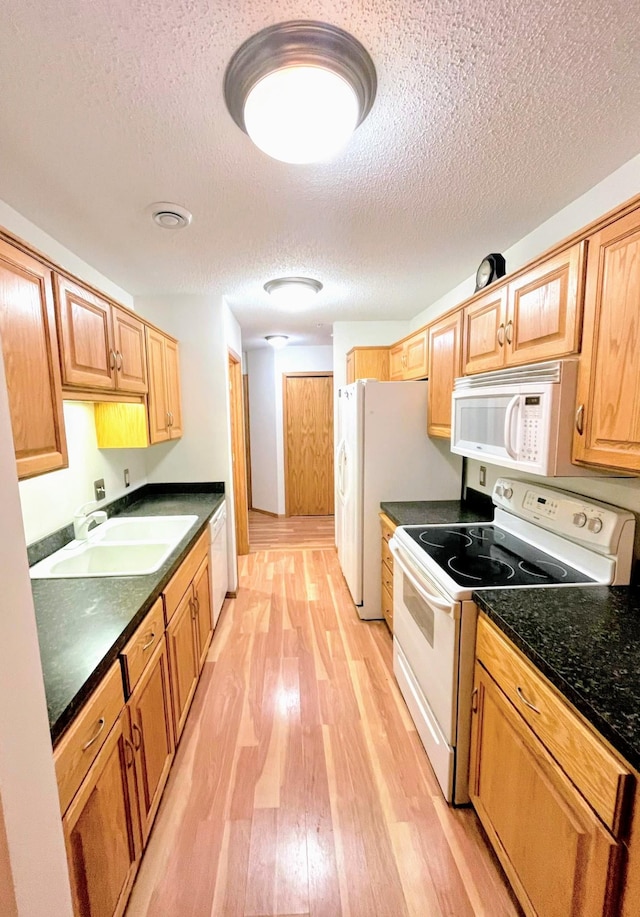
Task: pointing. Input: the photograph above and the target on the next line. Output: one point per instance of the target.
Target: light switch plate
(98, 489)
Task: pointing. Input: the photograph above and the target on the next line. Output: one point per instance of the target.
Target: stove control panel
(578, 518)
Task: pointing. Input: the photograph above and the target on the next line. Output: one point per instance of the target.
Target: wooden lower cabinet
(152, 735)
(203, 620)
(183, 660)
(387, 529)
(102, 829)
(557, 854)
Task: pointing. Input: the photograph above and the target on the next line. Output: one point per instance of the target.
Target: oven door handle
(429, 597)
(508, 426)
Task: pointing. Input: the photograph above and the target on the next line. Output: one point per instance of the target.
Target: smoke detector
(170, 216)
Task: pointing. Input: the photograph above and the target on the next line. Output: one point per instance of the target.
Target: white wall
(49, 500)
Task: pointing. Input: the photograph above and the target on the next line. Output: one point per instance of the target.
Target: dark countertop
(83, 623)
(587, 643)
(434, 512)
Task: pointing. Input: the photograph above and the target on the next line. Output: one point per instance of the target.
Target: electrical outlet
(483, 476)
(127, 480)
(98, 489)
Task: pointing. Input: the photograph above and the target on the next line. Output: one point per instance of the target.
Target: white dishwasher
(219, 573)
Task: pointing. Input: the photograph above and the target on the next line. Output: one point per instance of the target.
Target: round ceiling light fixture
(277, 341)
(299, 89)
(293, 292)
(170, 216)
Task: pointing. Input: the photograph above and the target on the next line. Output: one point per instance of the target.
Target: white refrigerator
(383, 454)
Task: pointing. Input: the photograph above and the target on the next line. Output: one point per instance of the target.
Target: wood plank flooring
(300, 786)
(290, 531)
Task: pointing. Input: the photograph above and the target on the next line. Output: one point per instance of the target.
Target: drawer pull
(137, 733)
(88, 744)
(524, 700)
(474, 700)
(146, 645)
(580, 420)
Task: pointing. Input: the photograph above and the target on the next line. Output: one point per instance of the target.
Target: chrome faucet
(83, 519)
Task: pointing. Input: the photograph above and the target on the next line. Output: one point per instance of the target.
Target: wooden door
(158, 395)
(559, 857)
(152, 735)
(545, 309)
(417, 356)
(483, 332)
(397, 358)
(203, 619)
(174, 395)
(183, 660)
(608, 401)
(131, 352)
(445, 365)
(308, 447)
(31, 363)
(238, 454)
(102, 832)
(247, 437)
(86, 340)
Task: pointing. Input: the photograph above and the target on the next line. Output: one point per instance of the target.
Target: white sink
(132, 546)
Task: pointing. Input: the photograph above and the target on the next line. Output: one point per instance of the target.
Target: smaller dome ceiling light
(170, 216)
(277, 341)
(299, 89)
(292, 292)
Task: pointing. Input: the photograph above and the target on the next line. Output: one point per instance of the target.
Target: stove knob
(507, 492)
(579, 519)
(499, 490)
(595, 525)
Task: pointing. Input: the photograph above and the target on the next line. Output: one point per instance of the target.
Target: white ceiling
(490, 116)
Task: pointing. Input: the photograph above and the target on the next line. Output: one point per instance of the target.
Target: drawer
(181, 580)
(387, 578)
(594, 770)
(139, 649)
(387, 607)
(388, 527)
(75, 754)
(387, 556)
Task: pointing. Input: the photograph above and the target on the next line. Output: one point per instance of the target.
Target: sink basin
(130, 546)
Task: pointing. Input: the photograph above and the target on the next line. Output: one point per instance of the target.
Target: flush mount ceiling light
(277, 341)
(299, 89)
(292, 292)
(170, 216)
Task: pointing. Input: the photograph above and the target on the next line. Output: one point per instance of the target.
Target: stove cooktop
(486, 556)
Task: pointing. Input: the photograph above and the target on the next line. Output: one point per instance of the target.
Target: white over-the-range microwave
(520, 418)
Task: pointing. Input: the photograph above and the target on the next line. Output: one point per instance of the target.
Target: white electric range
(539, 537)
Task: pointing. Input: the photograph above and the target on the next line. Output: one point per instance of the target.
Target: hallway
(300, 786)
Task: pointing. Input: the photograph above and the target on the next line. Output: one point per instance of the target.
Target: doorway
(238, 453)
(307, 421)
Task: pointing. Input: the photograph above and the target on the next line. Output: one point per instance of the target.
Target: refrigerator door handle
(341, 466)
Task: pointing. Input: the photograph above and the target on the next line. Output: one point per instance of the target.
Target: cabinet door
(102, 832)
(608, 400)
(397, 359)
(158, 395)
(483, 333)
(131, 358)
(88, 353)
(416, 356)
(30, 348)
(559, 857)
(152, 735)
(545, 309)
(368, 363)
(445, 365)
(172, 365)
(183, 660)
(203, 619)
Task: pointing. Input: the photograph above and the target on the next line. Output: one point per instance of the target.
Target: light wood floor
(300, 786)
(290, 531)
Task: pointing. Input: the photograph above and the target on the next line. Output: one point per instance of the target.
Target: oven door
(426, 635)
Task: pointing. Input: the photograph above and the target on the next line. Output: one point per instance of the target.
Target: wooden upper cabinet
(88, 353)
(445, 365)
(368, 363)
(396, 362)
(165, 406)
(484, 322)
(607, 430)
(409, 359)
(172, 363)
(545, 308)
(131, 353)
(31, 362)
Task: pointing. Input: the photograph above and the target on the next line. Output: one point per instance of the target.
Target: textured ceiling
(490, 116)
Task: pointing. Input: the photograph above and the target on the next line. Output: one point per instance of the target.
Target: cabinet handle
(128, 750)
(474, 700)
(146, 645)
(112, 359)
(118, 361)
(136, 732)
(197, 604)
(168, 420)
(171, 416)
(193, 609)
(524, 700)
(580, 420)
(508, 331)
(501, 334)
(88, 744)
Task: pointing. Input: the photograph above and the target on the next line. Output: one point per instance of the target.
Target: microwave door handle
(508, 426)
(429, 597)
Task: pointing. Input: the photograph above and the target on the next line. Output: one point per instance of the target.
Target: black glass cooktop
(484, 556)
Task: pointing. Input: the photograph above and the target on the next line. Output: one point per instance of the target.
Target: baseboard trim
(265, 512)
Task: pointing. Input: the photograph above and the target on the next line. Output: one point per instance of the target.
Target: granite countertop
(434, 512)
(586, 641)
(83, 623)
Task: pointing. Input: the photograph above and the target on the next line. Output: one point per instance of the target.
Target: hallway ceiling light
(277, 341)
(290, 292)
(299, 89)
